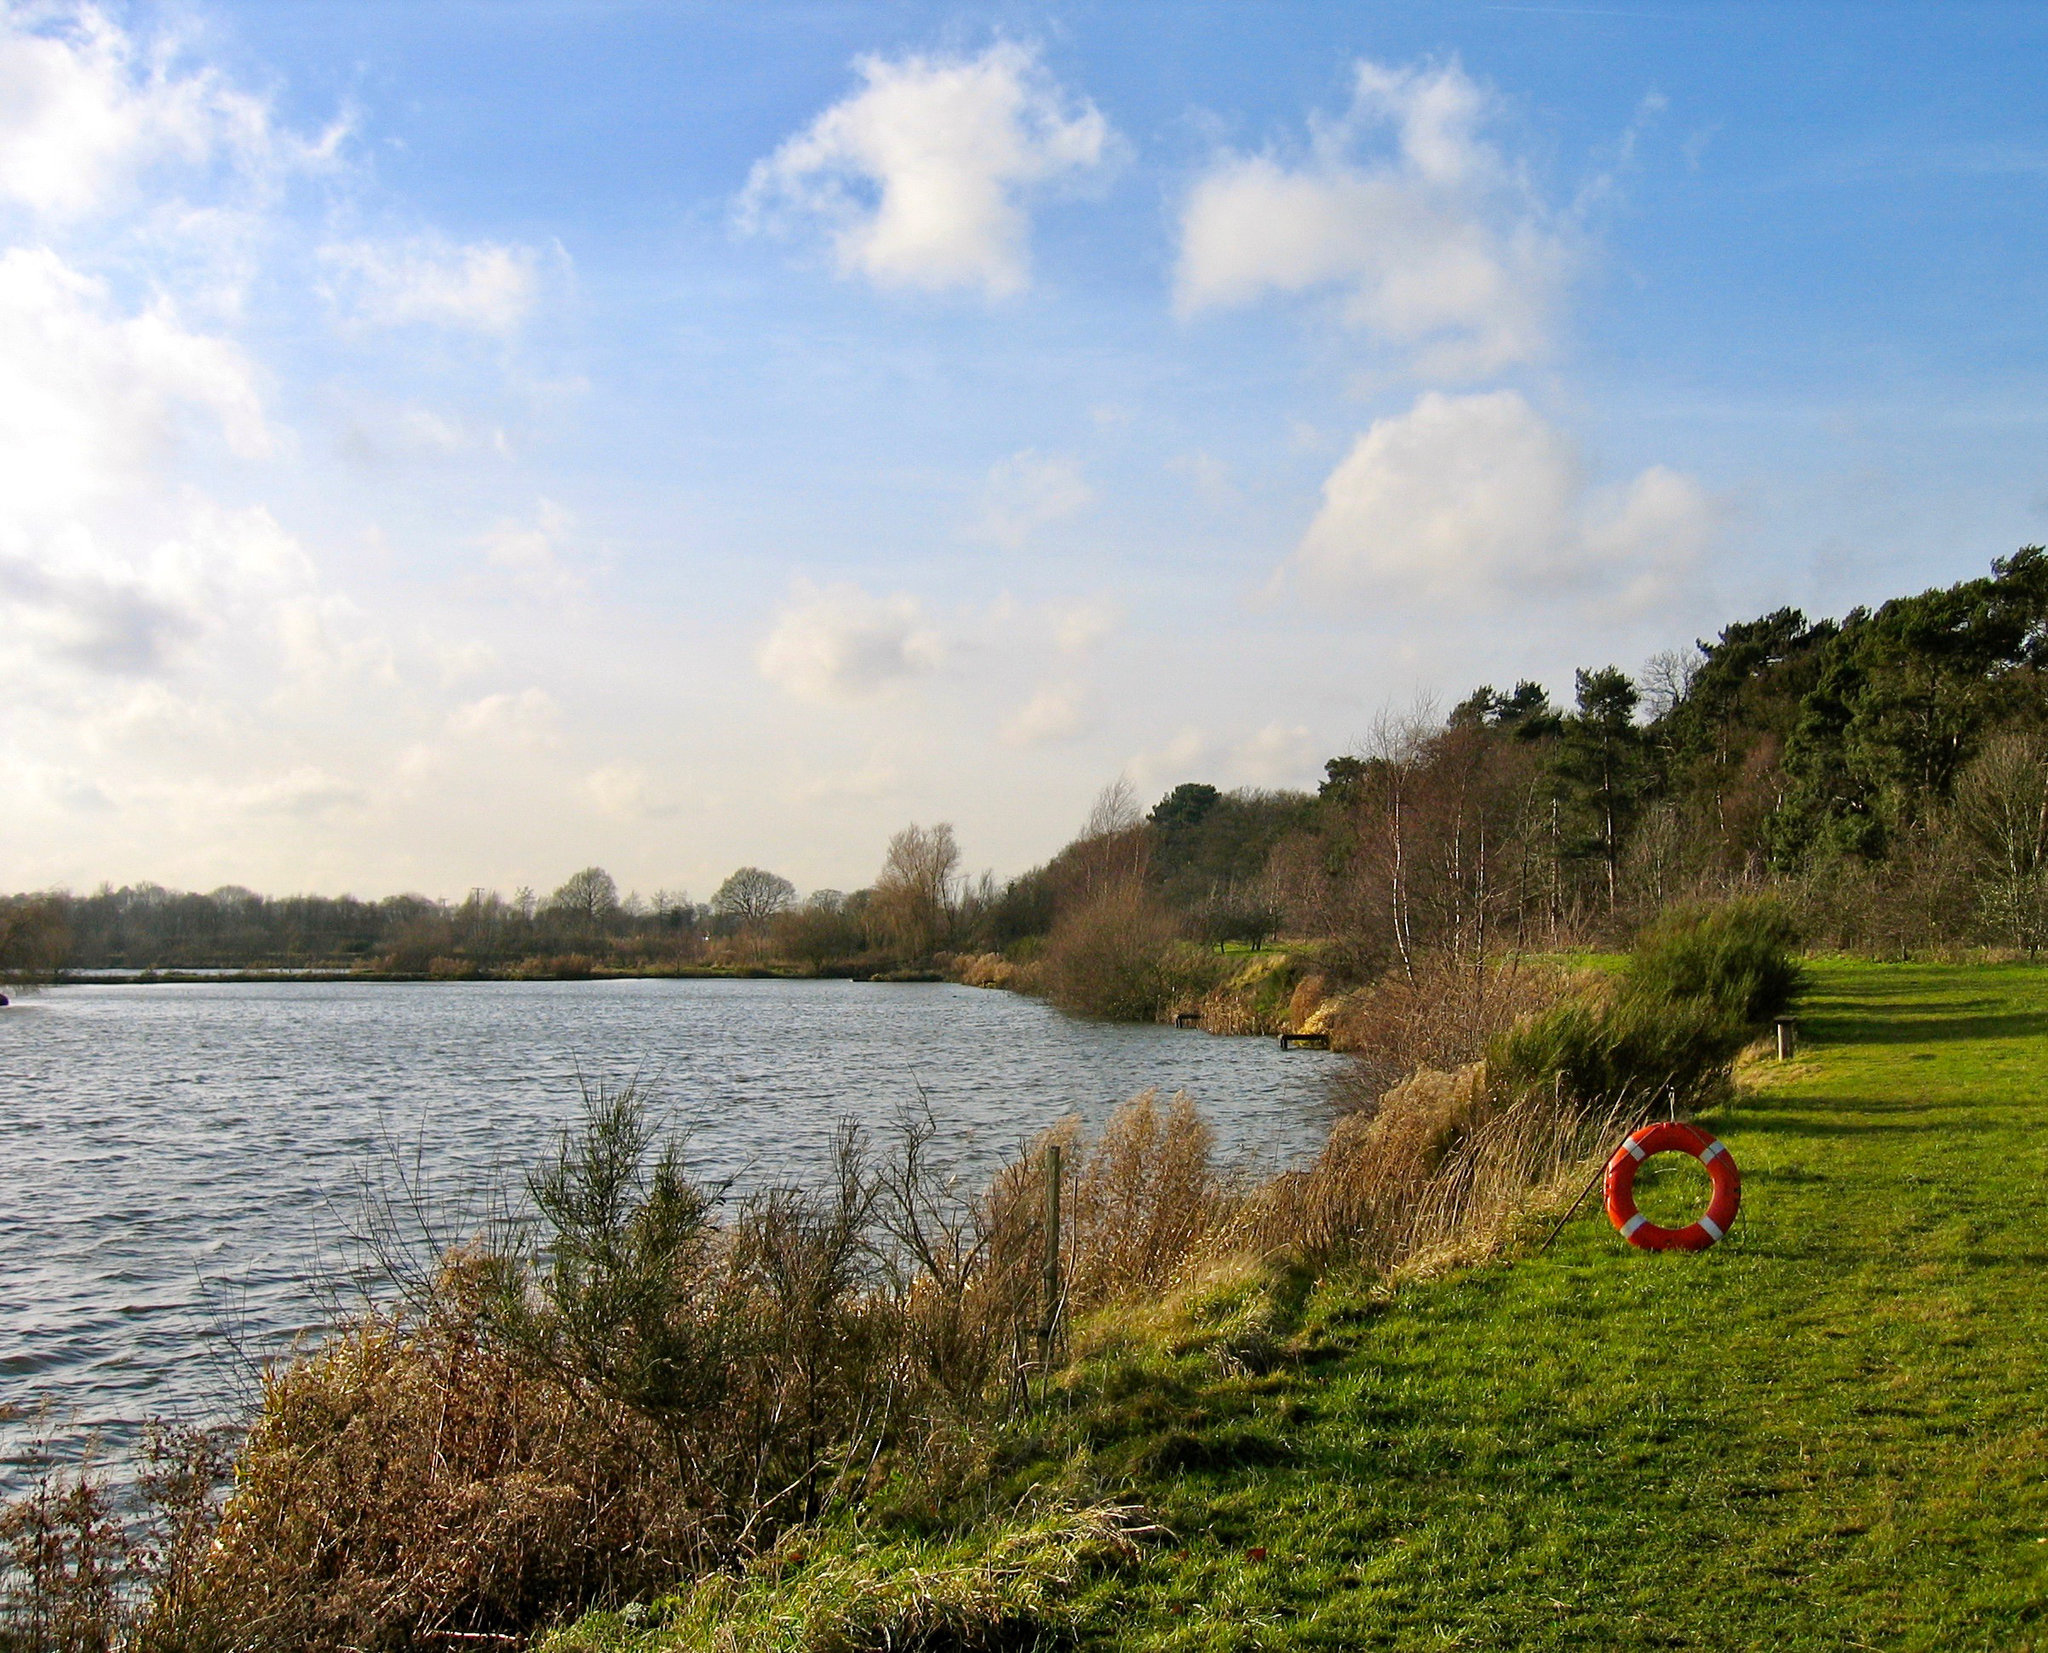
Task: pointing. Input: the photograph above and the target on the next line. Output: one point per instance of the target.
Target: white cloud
(305, 791)
(1078, 627)
(1029, 491)
(1056, 712)
(232, 580)
(622, 791)
(92, 400)
(486, 287)
(837, 643)
(923, 173)
(530, 550)
(1472, 497)
(529, 718)
(85, 108)
(1188, 752)
(1441, 246)
(1280, 754)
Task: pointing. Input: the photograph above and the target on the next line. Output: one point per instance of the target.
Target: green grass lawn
(1830, 1431)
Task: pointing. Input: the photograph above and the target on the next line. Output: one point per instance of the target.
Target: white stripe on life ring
(1630, 1145)
(1714, 1229)
(1707, 1158)
(1628, 1228)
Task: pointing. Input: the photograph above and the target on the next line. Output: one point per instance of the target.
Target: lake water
(180, 1165)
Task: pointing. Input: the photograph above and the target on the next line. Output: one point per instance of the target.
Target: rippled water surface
(177, 1162)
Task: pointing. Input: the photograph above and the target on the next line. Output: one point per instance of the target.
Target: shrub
(1736, 956)
(1609, 1051)
(1699, 979)
(1119, 957)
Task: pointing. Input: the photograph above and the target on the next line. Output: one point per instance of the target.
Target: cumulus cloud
(1188, 754)
(529, 718)
(95, 400)
(530, 550)
(1078, 627)
(92, 399)
(1029, 491)
(232, 580)
(485, 287)
(924, 174)
(1056, 712)
(835, 644)
(624, 792)
(1478, 496)
(305, 791)
(1280, 754)
(85, 108)
(1440, 245)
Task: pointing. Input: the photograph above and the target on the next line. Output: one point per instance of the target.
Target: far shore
(208, 975)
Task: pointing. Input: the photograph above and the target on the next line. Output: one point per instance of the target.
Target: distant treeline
(1884, 775)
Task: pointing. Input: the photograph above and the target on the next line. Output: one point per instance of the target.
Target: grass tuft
(1005, 1587)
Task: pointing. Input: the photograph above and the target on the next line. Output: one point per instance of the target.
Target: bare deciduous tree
(914, 892)
(588, 900)
(753, 896)
(2001, 809)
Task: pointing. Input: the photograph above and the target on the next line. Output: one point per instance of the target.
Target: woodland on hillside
(1885, 775)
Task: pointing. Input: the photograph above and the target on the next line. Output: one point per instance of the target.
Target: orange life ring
(1637, 1229)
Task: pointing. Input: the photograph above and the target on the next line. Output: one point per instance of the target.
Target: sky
(444, 445)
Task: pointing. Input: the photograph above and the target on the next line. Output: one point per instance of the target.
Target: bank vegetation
(640, 1388)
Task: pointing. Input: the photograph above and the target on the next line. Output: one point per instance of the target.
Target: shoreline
(208, 975)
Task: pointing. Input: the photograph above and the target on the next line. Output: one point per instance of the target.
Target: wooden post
(1788, 1038)
(1052, 1257)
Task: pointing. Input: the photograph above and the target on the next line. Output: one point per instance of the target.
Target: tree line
(1885, 775)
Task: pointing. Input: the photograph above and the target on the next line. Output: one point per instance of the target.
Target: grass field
(1830, 1431)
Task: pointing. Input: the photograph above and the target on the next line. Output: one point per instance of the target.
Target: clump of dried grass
(1441, 1018)
(409, 1483)
(982, 970)
(1305, 1004)
(654, 1392)
(1146, 1198)
(1445, 1157)
(1005, 1588)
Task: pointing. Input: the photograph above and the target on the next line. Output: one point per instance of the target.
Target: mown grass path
(1830, 1431)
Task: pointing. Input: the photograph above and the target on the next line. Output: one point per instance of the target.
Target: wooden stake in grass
(1052, 1257)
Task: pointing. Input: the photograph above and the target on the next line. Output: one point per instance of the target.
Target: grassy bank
(1824, 1433)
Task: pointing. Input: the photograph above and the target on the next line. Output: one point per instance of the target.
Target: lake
(182, 1165)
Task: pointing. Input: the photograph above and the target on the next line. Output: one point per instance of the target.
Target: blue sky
(452, 444)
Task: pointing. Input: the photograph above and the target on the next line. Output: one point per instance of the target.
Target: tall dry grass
(1445, 1158)
(1441, 1018)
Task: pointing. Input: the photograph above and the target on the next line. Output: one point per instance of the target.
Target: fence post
(1052, 1258)
(1788, 1037)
